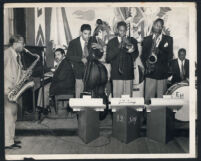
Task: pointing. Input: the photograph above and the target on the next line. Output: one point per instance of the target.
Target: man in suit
(156, 74)
(79, 54)
(121, 56)
(180, 67)
(63, 81)
(12, 75)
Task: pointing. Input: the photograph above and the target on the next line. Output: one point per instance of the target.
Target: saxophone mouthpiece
(26, 50)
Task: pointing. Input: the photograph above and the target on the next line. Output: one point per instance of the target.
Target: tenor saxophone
(152, 59)
(22, 85)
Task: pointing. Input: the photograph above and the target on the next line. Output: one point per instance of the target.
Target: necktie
(19, 60)
(85, 52)
(182, 70)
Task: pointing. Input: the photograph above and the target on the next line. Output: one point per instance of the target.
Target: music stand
(41, 51)
(44, 110)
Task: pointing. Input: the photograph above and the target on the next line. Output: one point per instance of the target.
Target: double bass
(95, 75)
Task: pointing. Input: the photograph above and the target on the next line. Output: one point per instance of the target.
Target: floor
(102, 145)
(58, 135)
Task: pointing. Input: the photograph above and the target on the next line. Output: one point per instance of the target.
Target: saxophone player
(157, 53)
(12, 75)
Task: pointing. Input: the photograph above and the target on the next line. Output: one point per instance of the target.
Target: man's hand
(97, 46)
(131, 49)
(23, 72)
(84, 60)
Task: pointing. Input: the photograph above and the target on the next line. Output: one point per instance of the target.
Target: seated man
(180, 67)
(63, 81)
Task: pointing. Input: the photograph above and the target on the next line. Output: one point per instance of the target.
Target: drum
(181, 90)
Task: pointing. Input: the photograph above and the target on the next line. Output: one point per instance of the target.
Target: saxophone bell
(152, 59)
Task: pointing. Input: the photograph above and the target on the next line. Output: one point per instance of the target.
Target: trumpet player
(121, 54)
(157, 53)
(12, 74)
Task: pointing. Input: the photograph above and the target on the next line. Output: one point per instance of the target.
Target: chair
(63, 98)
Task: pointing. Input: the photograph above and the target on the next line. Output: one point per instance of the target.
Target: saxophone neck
(35, 55)
(29, 70)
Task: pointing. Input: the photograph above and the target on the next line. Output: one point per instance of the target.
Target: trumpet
(125, 45)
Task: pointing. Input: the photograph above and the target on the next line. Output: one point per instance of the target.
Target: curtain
(60, 33)
(8, 24)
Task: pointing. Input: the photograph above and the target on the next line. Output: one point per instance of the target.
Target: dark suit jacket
(63, 81)
(113, 57)
(74, 53)
(176, 71)
(164, 57)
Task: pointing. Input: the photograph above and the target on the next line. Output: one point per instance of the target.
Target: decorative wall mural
(140, 19)
(88, 15)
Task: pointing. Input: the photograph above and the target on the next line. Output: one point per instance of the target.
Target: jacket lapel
(116, 41)
(177, 64)
(149, 42)
(79, 47)
(162, 42)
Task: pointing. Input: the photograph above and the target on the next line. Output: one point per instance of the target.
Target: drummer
(180, 67)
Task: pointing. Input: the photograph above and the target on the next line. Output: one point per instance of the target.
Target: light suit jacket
(12, 70)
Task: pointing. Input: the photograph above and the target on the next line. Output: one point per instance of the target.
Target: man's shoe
(13, 146)
(17, 142)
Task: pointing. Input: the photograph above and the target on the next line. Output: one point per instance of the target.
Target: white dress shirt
(180, 63)
(82, 41)
(158, 39)
(119, 39)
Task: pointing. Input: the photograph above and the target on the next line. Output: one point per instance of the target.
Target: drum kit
(182, 90)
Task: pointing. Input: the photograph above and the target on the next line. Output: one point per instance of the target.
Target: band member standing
(78, 53)
(157, 53)
(180, 67)
(121, 54)
(12, 75)
(95, 76)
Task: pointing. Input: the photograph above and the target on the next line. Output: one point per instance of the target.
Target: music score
(78, 104)
(126, 101)
(174, 103)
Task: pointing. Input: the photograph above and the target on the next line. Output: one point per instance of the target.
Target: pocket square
(166, 45)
